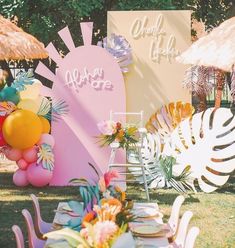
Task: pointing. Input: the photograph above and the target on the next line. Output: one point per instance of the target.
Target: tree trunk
(220, 77)
(5, 66)
(202, 103)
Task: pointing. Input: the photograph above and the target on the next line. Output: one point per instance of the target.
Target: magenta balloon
(47, 139)
(38, 176)
(20, 178)
(23, 165)
(30, 155)
(13, 154)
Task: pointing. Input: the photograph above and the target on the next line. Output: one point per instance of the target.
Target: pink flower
(104, 230)
(109, 176)
(107, 127)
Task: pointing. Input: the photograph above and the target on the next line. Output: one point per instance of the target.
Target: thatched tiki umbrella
(216, 49)
(15, 44)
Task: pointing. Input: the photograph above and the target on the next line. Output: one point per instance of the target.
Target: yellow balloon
(45, 125)
(31, 91)
(29, 104)
(22, 129)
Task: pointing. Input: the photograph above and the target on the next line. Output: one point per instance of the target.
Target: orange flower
(123, 196)
(111, 202)
(88, 217)
(122, 193)
(120, 135)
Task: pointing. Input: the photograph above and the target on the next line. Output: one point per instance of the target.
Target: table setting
(147, 230)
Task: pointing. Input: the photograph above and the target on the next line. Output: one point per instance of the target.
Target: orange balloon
(45, 125)
(22, 129)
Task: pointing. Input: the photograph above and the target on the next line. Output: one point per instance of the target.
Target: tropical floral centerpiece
(106, 214)
(99, 230)
(112, 131)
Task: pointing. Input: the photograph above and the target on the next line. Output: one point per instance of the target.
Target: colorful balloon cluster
(24, 131)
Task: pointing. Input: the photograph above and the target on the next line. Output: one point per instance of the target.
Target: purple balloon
(20, 178)
(38, 176)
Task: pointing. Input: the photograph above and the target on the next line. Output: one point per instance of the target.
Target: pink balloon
(20, 178)
(47, 139)
(30, 155)
(38, 176)
(22, 164)
(13, 154)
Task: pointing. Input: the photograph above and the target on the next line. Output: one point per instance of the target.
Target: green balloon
(10, 94)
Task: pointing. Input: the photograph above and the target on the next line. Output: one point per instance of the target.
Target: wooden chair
(18, 236)
(180, 238)
(191, 237)
(41, 227)
(140, 167)
(34, 241)
(173, 222)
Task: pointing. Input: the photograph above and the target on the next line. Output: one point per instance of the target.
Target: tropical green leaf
(93, 167)
(80, 181)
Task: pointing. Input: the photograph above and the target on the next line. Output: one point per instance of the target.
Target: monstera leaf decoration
(167, 118)
(206, 143)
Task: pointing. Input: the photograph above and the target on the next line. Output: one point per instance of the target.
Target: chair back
(41, 227)
(173, 221)
(138, 115)
(183, 229)
(38, 218)
(34, 242)
(191, 237)
(18, 236)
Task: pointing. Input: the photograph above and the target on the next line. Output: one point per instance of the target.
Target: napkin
(125, 240)
(77, 207)
(74, 223)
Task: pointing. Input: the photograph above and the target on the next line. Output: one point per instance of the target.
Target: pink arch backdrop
(90, 81)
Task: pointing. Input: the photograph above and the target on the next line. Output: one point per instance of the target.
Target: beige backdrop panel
(155, 77)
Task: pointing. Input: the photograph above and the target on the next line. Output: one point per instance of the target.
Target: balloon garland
(24, 130)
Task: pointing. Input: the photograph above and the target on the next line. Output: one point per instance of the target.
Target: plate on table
(146, 213)
(147, 230)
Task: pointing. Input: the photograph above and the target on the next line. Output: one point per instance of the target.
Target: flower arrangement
(115, 132)
(100, 229)
(93, 192)
(105, 217)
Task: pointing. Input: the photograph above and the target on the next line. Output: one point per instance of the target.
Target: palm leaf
(206, 143)
(46, 157)
(53, 110)
(73, 238)
(93, 167)
(22, 79)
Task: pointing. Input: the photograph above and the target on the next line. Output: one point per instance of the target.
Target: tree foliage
(44, 18)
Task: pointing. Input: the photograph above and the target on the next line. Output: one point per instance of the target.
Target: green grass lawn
(214, 213)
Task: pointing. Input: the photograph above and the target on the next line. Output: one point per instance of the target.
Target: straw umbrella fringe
(216, 49)
(15, 44)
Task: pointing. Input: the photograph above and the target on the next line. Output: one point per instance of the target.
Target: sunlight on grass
(214, 213)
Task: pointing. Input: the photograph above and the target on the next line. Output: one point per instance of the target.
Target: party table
(158, 242)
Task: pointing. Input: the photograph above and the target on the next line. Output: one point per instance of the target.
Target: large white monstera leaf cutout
(206, 142)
